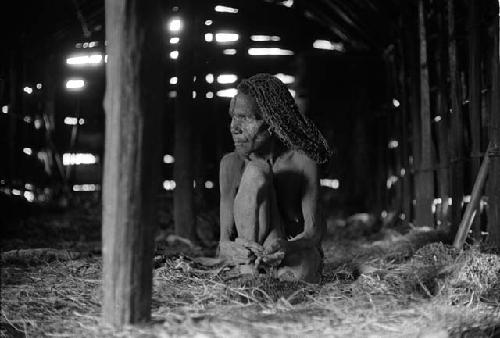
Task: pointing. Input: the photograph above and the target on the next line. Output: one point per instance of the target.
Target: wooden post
(413, 101)
(442, 127)
(493, 188)
(184, 214)
(133, 105)
(475, 100)
(407, 197)
(456, 146)
(424, 189)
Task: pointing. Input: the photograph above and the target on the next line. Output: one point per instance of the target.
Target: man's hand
(274, 252)
(240, 251)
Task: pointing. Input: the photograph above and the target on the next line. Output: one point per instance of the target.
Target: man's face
(248, 131)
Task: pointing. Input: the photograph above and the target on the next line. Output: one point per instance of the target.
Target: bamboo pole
(407, 198)
(442, 123)
(474, 99)
(133, 103)
(471, 209)
(493, 190)
(424, 190)
(456, 141)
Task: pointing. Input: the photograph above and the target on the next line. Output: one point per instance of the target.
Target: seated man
(269, 184)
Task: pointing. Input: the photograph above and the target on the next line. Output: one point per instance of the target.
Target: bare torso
(289, 183)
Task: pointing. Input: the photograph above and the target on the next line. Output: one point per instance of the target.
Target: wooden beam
(133, 104)
(474, 63)
(456, 139)
(493, 188)
(424, 189)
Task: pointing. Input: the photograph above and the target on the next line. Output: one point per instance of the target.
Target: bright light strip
(226, 9)
(173, 41)
(85, 60)
(28, 90)
(209, 37)
(169, 185)
(72, 121)
(86, 187)
(209, 78)
(229, 51)
(226, 37)
(79, 158)
(230, 92)
(29, 196)
(208, 22)
(168, 159)
(329, 183)
(286, 79)
(328, 45)
(393, 144)
(292, 92)
(227, 78)
(173, 80)
(391, 181)
(174, 54)
(5, 109)
(209, 184)
(263, 38)
(269, 51)
(27, 151)
(75, 84)
(175, 25)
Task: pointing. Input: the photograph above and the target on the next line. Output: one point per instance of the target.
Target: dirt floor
(383, 285)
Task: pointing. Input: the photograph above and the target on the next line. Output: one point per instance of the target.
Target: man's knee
(256, 175)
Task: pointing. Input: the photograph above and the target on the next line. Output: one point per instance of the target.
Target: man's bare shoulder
(231, 166)
(231, 159)
(299, 160)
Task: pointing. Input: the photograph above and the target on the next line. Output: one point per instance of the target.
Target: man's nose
(234, 127)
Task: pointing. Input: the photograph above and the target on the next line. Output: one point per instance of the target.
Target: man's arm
(314, 226)
(229, 172)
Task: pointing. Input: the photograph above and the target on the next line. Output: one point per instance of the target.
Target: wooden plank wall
(447, 85)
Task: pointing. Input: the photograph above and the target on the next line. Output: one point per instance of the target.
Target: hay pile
(400, 286)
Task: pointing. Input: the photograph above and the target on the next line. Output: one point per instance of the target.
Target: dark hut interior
(405, 92)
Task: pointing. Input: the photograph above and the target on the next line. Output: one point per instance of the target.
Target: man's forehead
(243, 102)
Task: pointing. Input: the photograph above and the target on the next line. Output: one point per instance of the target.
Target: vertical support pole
(414, 103)
(407, 198)
(493, 188)
(457, 141)
(475, 101)
(133, 103)
(442, 127)
(184, 214)
(424, 189)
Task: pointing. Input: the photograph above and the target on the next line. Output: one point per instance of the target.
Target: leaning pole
(133, 104)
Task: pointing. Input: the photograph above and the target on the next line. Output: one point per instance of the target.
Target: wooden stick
(471, 209)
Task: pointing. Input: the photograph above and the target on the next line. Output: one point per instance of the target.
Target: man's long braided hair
(280, 112)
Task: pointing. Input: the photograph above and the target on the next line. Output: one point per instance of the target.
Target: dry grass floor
(398, 286)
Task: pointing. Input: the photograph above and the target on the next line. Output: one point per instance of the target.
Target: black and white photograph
(250, 168)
